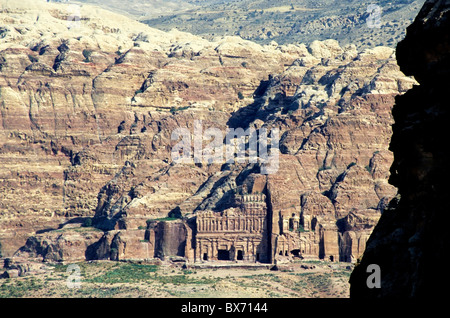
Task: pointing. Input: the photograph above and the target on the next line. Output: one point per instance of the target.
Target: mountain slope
(287, 21)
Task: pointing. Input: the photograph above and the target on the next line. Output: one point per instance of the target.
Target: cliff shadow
(265, 104)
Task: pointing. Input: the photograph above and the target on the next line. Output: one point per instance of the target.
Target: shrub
(321, 105)
(324, 168)
(240, 95)
(87, 55)
(87, 222)
(125, 273)
(175, 213)
(32, 58)
(351, 165)
(175, 109)
(309, 113)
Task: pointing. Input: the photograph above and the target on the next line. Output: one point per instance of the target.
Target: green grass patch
(15, 288)
(185, 280)
(125, 273)
(163, 219)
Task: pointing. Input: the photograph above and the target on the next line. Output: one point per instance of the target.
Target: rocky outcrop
(65, 245)
(17, 266)
(410, 243)
(171, 238)
(121, 245)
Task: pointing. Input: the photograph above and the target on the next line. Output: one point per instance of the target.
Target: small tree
(87, 222)
(87, 55)
(351, 165)
(175, 213)
(32, 58)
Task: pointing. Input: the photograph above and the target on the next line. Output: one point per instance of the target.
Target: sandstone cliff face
(410, 242)
(73, 98)
(333, 166)
(87, 116)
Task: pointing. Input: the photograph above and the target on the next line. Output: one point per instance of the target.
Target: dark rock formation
(170, 239)
(410, 243)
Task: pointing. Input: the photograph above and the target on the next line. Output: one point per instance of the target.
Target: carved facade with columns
(238, 233)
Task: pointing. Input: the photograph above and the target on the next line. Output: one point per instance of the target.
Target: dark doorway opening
(240, 255)
(331, 258)
(205, 256)
(223, 255)
(295, 253)
(313, 224)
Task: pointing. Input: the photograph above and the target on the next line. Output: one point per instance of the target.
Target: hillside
(294, 21)
(282, 21)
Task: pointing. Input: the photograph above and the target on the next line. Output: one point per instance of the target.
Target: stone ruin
(241, 233)
(245, 232)
(248, 230)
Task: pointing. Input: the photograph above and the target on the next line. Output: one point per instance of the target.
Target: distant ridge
(282, 21)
